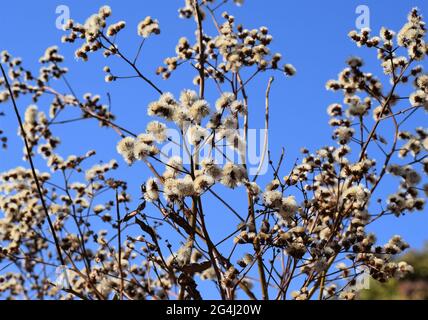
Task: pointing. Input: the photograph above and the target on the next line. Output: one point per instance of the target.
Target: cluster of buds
(147, 27)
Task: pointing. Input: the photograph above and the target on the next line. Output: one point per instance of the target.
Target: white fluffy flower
(94, 24)
(178, 188)
(30, 116)
(165, 107)
(419, 98)
(289, 206)
(148, 27)
(188, 98)
(272, 198)
(224, 101)
(144, 147)
(238, 107)
(125, 148)
(199, 110)
(233, 175)
(174, 167)
(210, 168)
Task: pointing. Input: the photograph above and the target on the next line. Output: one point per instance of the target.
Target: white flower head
(225, 101)
(152, 190)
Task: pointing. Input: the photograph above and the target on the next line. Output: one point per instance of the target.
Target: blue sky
(312, 35)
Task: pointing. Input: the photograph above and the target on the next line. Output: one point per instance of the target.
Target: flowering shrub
(303, 236)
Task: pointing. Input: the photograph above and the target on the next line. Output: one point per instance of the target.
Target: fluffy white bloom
(224, 101)
(228, 128)
(289, 206)
(411, 177)
(272, 198)
(236, 142)
(199, 110)
(289, 70)
(209, 167)
(413, 31)
(165, 107)
(99, 209)
(148, 27)
(238, 107)
(182, 117)
(30, 116)
(419, 98)
(178, 188)
(174, 167)
(105, 11)
(253, 188)
(94, 24)
(233, 175)
(357, 109)
(422, 82)
(358, 194)
(202, 183)
(183, 255)
(188, 98)
(389, 66)
(143, 146)
(152, 191)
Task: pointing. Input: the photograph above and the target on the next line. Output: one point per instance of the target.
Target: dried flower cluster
(305, 230)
